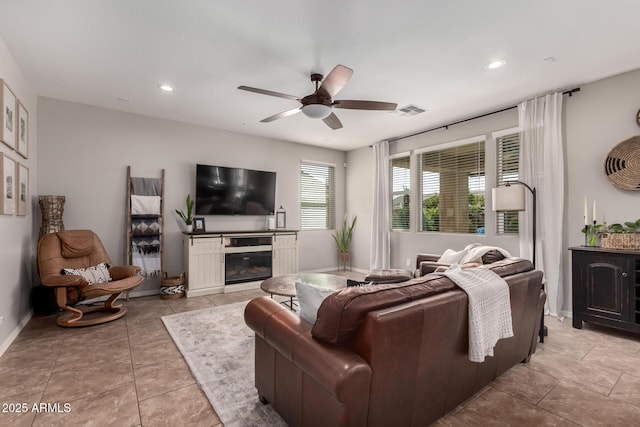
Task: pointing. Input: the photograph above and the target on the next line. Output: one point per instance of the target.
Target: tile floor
(129, 373)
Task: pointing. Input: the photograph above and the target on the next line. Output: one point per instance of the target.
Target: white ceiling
(431, 53)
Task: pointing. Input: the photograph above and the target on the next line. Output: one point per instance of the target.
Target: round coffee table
(286, 285)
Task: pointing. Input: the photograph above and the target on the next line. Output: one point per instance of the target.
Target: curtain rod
(569, 92)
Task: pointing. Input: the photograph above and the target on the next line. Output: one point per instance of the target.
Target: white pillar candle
(586, 219)
(594, 211)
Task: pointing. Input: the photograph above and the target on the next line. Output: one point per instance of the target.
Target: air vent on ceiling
(410, 110)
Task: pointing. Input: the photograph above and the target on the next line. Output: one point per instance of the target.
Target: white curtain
(542, 167)
(380, 245)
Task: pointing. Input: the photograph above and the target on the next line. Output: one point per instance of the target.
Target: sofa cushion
(341, 314)
(309, 299)
(492, 256)
(451, 257)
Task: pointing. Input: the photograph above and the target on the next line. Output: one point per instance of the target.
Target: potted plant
(619, 236)
(188, 217)
(343, 239)
(592, 232)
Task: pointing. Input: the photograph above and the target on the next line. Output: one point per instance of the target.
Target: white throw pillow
(309, 298)
(451, 257)
(94, 274)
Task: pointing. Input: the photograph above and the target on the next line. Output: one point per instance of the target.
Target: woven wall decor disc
(622, 165)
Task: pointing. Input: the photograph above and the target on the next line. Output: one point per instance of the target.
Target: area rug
(219, 349)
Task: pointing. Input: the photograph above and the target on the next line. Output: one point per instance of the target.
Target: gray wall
(596, 119)
(17, 242)
(85, 150)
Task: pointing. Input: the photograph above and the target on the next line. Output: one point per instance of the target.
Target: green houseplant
(188, 217)
(618, 236)
(343, 238)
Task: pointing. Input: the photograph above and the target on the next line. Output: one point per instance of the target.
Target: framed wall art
(23, 190)
(8, 175)
(23, 131)
(8, 117)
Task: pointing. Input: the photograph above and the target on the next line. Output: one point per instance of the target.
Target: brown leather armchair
(81, 249)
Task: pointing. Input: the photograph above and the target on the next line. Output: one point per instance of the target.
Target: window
(452, 187)
(507, 164)
(400, 185)
(316, 196)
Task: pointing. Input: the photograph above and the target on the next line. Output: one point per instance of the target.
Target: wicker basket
(620, 240)
(172, 287)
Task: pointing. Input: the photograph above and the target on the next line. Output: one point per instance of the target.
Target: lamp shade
(508, 198)
(316, 111)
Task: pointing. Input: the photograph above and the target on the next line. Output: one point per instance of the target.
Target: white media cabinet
(221, 262)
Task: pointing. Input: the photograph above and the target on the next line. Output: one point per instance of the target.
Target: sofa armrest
(427, 267)
(339, 371)
(118, 272)
(425, 257)
(63, 280)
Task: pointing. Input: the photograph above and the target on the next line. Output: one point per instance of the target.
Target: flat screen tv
(234, 191)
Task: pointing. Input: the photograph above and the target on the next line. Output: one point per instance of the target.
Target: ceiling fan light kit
(320, 104)
(316, 111)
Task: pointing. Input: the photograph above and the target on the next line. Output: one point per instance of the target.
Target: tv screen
(234, 191)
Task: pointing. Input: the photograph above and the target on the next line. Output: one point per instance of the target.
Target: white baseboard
(148, 292)
(14, 334)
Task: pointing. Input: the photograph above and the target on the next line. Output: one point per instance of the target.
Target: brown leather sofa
(381, 355)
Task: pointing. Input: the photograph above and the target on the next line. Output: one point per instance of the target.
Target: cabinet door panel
(285, 255)
(605, 290)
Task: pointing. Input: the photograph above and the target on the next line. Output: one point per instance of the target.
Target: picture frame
(22, 131)
(8, 176)
(8, 117)
(22, 190)
(199, 225)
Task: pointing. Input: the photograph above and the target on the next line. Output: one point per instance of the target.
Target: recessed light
(166, 88)
(496, 64)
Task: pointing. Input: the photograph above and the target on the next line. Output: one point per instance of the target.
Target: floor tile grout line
(133, 375)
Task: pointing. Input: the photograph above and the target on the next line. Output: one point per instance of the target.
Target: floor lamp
(511, 198)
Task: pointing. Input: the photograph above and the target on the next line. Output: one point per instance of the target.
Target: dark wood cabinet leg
(577, 323)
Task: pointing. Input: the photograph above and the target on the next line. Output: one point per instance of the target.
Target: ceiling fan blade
(364, 105)
(332, 121)
(269, 92)
(336, 80)
(281, 115)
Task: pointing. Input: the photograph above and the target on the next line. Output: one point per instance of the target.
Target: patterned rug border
(219, 350)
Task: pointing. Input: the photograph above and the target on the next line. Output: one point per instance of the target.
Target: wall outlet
(408, 262)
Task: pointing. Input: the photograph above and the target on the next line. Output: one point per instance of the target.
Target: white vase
(190, 228)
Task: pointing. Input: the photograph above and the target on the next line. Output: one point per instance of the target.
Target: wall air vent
(410, 110)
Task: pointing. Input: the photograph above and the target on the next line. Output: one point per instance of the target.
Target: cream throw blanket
(489, 308)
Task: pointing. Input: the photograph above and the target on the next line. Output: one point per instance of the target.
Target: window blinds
(452, 186)
(317, 197)
(400, 187)
(507, 165)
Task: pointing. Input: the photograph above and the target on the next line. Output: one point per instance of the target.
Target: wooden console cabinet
(606, 287)
(206, 256)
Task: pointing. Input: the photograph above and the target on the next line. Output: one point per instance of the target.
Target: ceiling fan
(320, 104)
